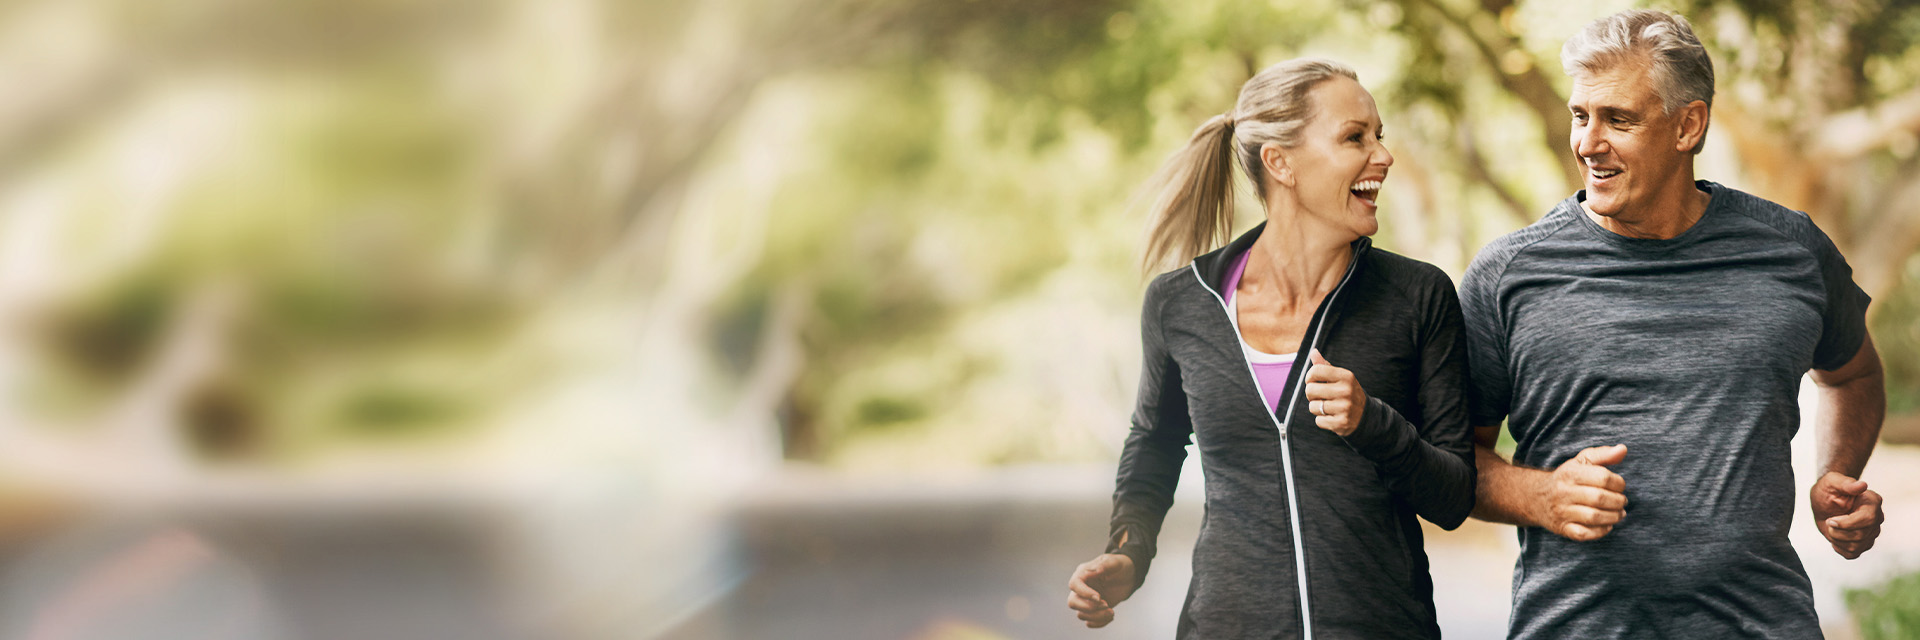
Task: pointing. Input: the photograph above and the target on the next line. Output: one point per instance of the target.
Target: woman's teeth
(1366, 189)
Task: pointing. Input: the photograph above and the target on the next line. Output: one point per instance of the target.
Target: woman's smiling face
(1340, 164)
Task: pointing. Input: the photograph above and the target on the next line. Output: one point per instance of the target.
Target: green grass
(1890, 611)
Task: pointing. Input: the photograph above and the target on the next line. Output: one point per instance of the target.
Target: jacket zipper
(1293, 397)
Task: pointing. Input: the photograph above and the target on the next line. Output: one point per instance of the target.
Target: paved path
(987, 557)
(806, 555)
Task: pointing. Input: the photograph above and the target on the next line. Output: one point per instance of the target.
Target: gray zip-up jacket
(1307, 534)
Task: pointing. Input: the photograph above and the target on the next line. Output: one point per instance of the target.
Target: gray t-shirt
(1690, 352)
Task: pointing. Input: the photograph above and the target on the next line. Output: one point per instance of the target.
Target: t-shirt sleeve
(1489, 386)
(1843, 324)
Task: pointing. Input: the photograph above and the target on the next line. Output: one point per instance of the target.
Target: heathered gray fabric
(1689, 351)
(1396, 325)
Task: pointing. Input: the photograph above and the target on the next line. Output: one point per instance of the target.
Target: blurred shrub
(1888, 612)
(1896, 333)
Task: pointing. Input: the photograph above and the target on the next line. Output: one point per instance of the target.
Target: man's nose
(1589, 141)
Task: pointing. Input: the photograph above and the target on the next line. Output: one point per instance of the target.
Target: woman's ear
(1274, 159)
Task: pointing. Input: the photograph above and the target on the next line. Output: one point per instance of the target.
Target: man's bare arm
(1581, 500)
(1852, 405)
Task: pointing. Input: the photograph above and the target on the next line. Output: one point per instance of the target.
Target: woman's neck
(1295, 262)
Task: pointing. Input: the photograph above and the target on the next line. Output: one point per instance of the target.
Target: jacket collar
(1214, 265)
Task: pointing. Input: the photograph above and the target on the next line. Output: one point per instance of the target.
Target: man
(1645, 341)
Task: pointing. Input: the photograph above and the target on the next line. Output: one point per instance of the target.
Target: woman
(1320, 378)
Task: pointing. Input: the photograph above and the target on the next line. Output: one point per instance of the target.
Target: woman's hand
(1097, 585)
(1334, 396)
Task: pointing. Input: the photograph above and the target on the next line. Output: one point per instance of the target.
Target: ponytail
(1193, 204)
(1193, 194)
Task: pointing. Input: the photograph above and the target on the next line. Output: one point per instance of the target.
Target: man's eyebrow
(1606, 109)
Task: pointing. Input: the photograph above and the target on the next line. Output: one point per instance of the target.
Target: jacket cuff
(1139, 549)
(1383, 434)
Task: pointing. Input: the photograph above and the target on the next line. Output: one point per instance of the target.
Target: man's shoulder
(1749, 204)
(1771, 216)
(1494, 258)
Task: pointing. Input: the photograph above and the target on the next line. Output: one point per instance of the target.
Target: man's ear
(1274, 160)
(1692, 125)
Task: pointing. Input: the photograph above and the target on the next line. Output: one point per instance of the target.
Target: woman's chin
(1367, 228)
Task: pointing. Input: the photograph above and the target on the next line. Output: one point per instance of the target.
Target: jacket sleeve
(1155, 448)
(1430, 465)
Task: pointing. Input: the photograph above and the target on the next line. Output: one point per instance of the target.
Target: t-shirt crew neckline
(1714, 204)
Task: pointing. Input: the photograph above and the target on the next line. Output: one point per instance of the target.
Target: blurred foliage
(1454, 79)
(1896, 332)
(1890, 611)
(878, 233)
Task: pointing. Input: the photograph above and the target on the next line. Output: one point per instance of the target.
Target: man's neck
(1663, 219)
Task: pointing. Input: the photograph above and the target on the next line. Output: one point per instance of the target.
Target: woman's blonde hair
(1193, 192)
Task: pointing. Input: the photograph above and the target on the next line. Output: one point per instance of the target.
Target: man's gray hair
(1681, 70)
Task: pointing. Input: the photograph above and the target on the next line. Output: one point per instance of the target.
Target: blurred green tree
(892, 229)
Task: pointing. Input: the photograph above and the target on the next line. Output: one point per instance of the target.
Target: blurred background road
(803, 553)
(989, 558)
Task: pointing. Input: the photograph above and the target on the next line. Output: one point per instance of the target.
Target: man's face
(1630, 148)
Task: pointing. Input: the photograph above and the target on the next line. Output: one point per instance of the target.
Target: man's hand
(1846, 512)
(1097, 585)
(1334, 396)
(1583, 500)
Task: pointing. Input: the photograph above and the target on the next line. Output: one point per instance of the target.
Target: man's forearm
(1852, 403)
(1505, 492)
(1847, 424)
